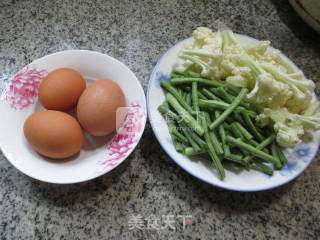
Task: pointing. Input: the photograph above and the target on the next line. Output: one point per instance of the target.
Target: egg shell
(53, 134)
(61, 89)
(97, 107)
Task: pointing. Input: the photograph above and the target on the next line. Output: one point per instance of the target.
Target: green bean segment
(208, 118)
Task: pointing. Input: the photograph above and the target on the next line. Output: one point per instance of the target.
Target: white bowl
(19, 100)
(306, 16)
(299, 157)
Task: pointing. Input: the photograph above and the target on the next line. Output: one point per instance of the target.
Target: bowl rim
(100, 173)
(305, 15)
(154, 129)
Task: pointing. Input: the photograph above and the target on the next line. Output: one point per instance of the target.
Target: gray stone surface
(137, 32)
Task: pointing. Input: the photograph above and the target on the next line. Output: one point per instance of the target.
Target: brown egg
(61, 89)
(97, 106)
(53, 134)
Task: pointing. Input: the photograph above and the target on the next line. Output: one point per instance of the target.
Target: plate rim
(154, 129)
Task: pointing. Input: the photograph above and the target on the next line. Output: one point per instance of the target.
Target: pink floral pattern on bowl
(23, 88)
(127, 135)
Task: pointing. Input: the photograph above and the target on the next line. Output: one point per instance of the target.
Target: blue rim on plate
(289, 178)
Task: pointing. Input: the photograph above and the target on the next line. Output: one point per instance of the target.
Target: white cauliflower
(204, 53)
(276, 89)
(290, 127)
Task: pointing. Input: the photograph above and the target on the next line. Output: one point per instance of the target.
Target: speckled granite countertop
(149, 183)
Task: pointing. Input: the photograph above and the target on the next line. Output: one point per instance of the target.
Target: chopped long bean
(177, 145)
(222, 93)
(226, 150)
(186, 88)
(172, 128)
(214, 104)
(231, 90)
(166, 85)
(275, 154)
(185, 116)
(209, 94)
(243, 131)
(282, 157)
(201, 96)
(216, 143)
(175, 73)
(234, 158)
(255, 143)
(167, 113)
(221, 131)
(203, 81)
(190, 139)
(215, 159)
(184, 95)
(197, 139)
(179, 74)
(254, 151)
(236, 132)
(237, 116)
(261, 146)
(178, 135)
(192, 74)
(230, 109)
(195, 96)
(226, 126)
(188, 99)
(174, 132)
(263, 168)
(164, 110)
(238, 158)
(189, 151)
(252, 128)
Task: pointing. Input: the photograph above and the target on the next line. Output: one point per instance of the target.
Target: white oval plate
(19, 100)
(299, 157)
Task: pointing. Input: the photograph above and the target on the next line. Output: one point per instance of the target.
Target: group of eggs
(55, 133)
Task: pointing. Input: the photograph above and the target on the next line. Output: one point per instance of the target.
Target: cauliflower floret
(288, 136)
(298, 75)
(229, 63)
(302, 89)
(182, 65)
(263, 120)
(238, 81)
(202, 36)
(289, 127)
(270, 93)
(257, 50)
(299, 103)
(204, 53)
